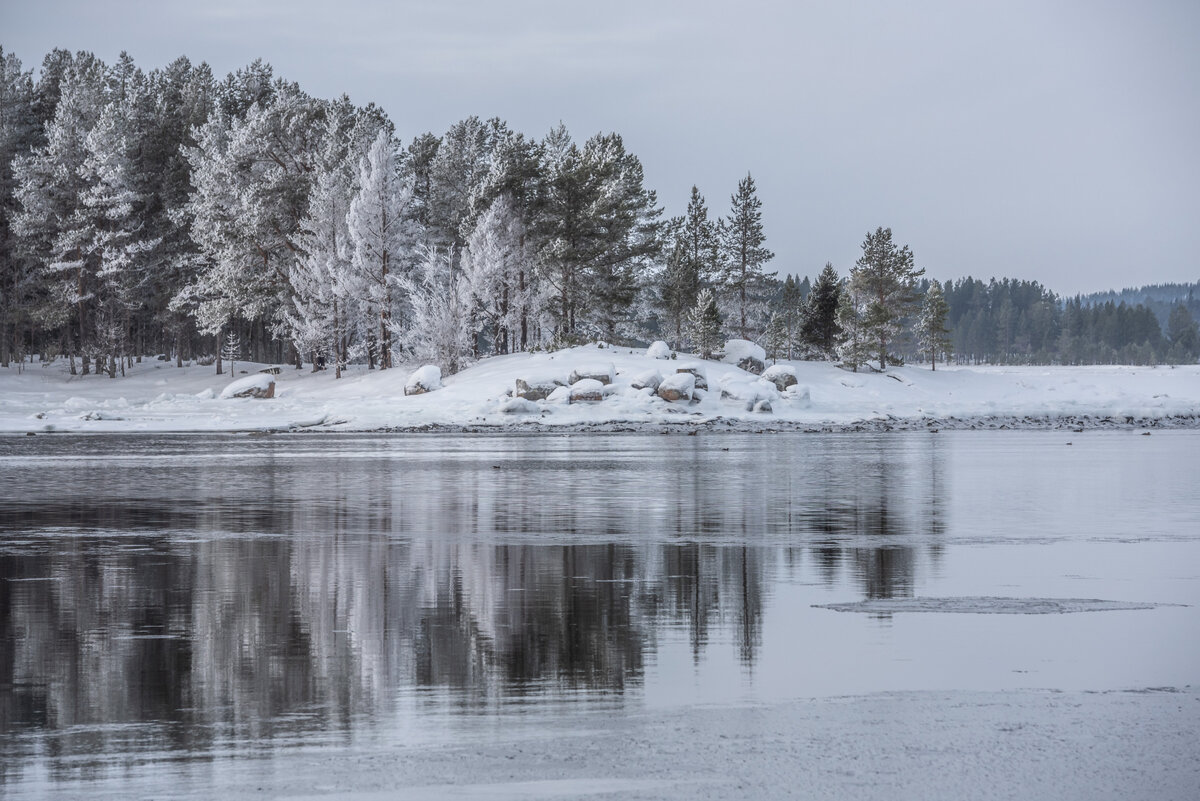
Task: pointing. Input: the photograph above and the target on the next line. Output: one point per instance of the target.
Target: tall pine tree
(742, 250)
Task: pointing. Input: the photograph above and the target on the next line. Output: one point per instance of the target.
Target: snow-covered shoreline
(157, 397)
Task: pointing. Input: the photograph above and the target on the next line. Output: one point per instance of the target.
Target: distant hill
(1159, 298)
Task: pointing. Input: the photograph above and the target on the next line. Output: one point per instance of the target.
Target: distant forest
(179, 214)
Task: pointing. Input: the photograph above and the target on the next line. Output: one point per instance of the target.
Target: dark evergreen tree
(819, 331)
(1182, 335)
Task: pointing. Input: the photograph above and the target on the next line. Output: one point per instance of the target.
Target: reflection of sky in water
(292, 589)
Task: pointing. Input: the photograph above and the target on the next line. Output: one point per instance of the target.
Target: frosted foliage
(497, 272)
(382, 237)
(439, 325)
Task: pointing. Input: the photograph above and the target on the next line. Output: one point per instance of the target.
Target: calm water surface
(173, 599)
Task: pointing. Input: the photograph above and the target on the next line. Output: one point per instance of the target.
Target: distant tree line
(173, 212)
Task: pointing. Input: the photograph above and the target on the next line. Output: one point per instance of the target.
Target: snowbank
(157, 396)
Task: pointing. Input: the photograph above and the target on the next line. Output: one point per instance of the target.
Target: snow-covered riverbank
(158, 397)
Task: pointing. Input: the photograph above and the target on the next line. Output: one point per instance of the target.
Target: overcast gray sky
(1042, 140)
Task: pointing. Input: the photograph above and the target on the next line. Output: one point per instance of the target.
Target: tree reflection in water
(305, 584)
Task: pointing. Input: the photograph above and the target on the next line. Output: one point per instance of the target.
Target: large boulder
(746, 355)
(697, 372)
(650, 378)
(678, 387)
(424, 379)
(781, 375)
(659, 350)
(587, 390)
(596, 372)
(252, 386)
(536, 389)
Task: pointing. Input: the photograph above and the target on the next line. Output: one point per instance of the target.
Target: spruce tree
(932, 333)
(742, 249)
(819, 330)
(704, 324)
(791, 310)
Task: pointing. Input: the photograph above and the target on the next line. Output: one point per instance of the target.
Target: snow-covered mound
(659, 350)
(424, 379)
(156, 396)
(259, 385)
(745, 354)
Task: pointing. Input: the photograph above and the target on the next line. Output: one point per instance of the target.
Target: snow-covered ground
(159, 397)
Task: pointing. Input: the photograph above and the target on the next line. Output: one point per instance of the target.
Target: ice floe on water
(988, 606)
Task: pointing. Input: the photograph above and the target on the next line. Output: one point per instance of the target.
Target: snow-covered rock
(748, 393)
(746, 355)
(424, 379)
(697, 372)
(659, 350)
(258, 385)
(650, 378)
(536, 389)
(559, 395)
(603, 373)
(799, 396)
(781, 375)
(587, 389)
(677, 387)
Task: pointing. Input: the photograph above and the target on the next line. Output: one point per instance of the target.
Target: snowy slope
(157, 396)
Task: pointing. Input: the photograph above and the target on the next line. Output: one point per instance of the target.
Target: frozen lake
(395, 616)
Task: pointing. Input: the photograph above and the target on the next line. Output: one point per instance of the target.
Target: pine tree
(322, 305)
(49, 189)
(791, 312)
(885, 278)
(704, 324)
(743, 252)
(931, 328)
(20, 287)
(819, 330)
(383, 236)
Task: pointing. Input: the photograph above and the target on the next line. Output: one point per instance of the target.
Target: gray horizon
(1049, 142)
